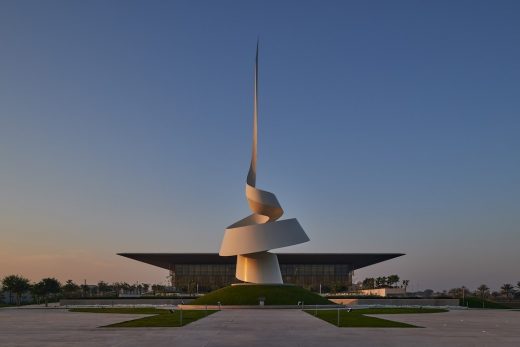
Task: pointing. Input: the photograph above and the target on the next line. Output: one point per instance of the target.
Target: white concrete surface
(57, 327)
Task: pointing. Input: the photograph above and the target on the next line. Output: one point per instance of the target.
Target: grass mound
(249, 294)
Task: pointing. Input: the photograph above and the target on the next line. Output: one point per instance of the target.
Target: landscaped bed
(359, 318)
(158, 318)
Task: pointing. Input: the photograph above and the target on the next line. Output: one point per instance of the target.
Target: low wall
(397, 302)
(112, 302)
(343, 301)
(509, 303)
(264, 307)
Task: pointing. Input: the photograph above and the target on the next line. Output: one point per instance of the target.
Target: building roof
(355, 260)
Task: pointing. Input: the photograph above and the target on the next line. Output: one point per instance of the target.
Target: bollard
(338, 316)
(180, 313)
(316, 310)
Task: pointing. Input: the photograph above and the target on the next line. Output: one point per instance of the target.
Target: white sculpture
(251, 238)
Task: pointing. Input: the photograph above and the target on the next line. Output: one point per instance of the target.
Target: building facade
(203, 272)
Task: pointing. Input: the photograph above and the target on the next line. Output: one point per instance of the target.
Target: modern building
(208, 271)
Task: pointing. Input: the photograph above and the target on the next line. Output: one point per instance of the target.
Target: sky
(125, 126)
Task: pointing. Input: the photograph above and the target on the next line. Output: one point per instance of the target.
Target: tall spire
(251, 175)
(251, 238)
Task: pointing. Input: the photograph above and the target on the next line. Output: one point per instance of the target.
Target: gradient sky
(125, 126)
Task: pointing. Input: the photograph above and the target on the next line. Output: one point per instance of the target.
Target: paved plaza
(58, 327)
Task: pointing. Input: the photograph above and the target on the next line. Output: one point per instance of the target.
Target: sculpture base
(259, 268)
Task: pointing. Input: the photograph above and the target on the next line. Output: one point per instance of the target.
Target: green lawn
(249, 294)
(359, 318)
(129, 310)
(159, 318)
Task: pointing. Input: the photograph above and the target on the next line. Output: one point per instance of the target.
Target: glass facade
(207, 277)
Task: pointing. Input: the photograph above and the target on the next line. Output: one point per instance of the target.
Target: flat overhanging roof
(355, 260)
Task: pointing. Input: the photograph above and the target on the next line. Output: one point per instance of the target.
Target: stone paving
(58, 327)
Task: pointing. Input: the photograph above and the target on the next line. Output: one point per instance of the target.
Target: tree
(368, 283)
(146, 286)
(158, 288)
(116, 286)
(47, 287)
(405, 284)
(126, 287)
(483, 291)
(337, 287)
(428, 293)
(16, 284)
(454, 292)
(85, 289)
(8, 285)
(70, 288)
(38, 291)
(380, 282)
(103, 287)
(392, 280)
(508, 290)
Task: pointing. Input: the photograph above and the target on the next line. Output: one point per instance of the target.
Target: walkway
(57, 327)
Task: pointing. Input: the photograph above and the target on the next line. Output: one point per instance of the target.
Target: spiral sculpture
(251, 238)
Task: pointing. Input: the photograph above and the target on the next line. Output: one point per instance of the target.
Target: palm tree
(37, 292)
(69, 288)
(103, 287)
(17, 285)
(507, 289)
(392, 280)
(146, 286)
(47, 287)
(454, 292)
(85, 290)
(369, 283)
(405, 284)
(380, 282)
(483, 291)
(8, 285)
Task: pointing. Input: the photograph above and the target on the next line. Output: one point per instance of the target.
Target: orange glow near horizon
(78, 265)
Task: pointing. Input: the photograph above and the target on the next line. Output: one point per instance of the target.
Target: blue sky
(384, 127)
